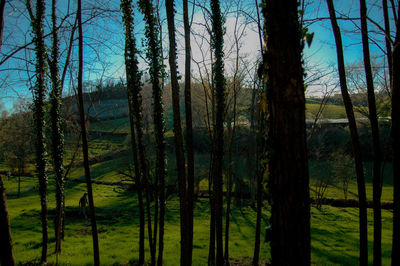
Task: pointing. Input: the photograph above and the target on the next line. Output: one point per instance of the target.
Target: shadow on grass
(325, 249)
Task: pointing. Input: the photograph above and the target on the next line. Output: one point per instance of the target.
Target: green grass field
(334, 231)
(329, 111)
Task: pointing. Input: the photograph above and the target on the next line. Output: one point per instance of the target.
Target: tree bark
(219, 82)
(158, 116)
(189, 133)
(6, 252)
(56, 126)
(377, 182)
(39, 97)
(395, 133)
(133, 80)
(85, 148)
(260, 148)
(154, 53)
(260, 156)
(354, 139)
(180, 157)
(288, 166)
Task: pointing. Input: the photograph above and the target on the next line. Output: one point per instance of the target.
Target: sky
(104, 41)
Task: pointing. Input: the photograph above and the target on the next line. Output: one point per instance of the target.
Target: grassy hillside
(330, 111)
(334, 231)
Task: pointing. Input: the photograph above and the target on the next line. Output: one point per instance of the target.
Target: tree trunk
(160, 131)
(377, 182)
(156, 208)
(387, 38)
(228, 193)
(180, 157)
(189, 133)
(56, 126)
(211, 248)
(154, 53)
(85, 148)
(6, 252)
(132, 77)
(288, 166)
(395, 133)
(39, 120)
(219, 82)
(260, 156)
(354, 139)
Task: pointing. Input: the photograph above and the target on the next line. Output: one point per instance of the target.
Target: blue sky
(104, 40)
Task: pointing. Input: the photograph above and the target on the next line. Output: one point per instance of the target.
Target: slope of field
(334, 231)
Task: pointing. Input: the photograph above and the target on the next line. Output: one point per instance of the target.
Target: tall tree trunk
(189, 133)
(138, 182)
(219, 82)
(85, 148)
(377, 183)
(211, 191)
(154, 54)
(288, 167)
(6, 252)
(156, 209)
(137, 110)
(228, 193)
(260, 148)
(231, 138)
(56, 126)
(211, 248)
(260, 156)
(158, 70)
(133, 85)
(354, 138)
(395, 133)
(39, 97)
(180, 157)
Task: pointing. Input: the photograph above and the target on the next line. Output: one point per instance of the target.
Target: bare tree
(85, 148)
(189, 132)
(395, 133)
(377, 183)
(178, 137)
(16, 139)
(354, 138)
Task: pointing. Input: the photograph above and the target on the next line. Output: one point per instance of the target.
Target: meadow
(334, 230)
